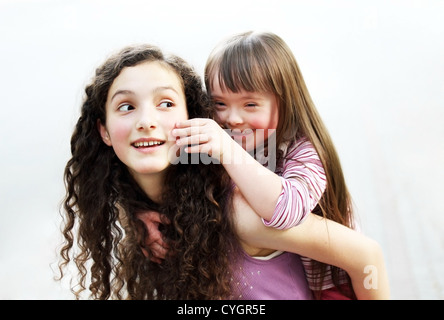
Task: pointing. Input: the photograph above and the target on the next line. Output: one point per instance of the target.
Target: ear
(104, 133)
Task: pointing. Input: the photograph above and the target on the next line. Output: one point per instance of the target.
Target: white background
(375, 70)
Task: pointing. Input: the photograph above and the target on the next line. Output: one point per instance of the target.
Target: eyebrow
(118, 92)
(163, 88)
(155, 91)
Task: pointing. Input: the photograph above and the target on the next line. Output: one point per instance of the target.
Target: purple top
(280, 277)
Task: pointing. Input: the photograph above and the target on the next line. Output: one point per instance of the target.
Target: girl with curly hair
(121, 155)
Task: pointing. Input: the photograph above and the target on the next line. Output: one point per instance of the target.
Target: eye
(251, 105)
(219, 105)
(166, 104)
(125, 107)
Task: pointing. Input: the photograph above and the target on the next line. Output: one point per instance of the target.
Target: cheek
(169, 123)
(274, 119)
(269, 120)
(264, 122)
(119, 131)
(268, 124)
(220, 117)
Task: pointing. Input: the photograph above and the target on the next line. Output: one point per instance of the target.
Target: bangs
(241, 67)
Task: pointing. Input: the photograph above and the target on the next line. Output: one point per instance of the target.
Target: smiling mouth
(241, 133)
(147, 144)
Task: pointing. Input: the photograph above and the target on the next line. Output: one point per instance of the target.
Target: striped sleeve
(314, 278)
(303, 183)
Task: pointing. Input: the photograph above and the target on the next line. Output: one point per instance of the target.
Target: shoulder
(301, 148)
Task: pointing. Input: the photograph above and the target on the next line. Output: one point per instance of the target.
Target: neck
(152, 184)
(255, 251)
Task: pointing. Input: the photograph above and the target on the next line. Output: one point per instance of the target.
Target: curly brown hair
(102, 235)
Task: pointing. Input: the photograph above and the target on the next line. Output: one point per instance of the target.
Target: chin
(152, 168)
(248, 148)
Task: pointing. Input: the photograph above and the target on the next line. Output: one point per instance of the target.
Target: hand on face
(204, 136)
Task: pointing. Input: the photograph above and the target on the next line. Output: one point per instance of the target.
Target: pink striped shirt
(303, 183)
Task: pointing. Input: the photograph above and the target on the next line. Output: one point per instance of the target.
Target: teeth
(147, 143)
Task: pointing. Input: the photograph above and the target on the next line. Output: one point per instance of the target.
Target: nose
(233, 118)
(148, 118)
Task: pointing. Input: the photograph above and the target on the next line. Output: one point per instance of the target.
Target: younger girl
(261, 100)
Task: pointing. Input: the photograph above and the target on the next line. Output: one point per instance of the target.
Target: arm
(303, 182)
(322, 240)
(249, 175)
(282, 202)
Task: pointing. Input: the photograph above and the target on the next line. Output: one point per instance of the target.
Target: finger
(193, 140)
(180, 133)
(158, 251)
(145, 252)
(149, 215)
(203, 148)
(154, 235)
(156, 243)
(151, 257)
(156, 260)
(192, 122)
(189, 131)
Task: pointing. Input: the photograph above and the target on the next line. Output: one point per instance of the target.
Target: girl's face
(143, 104)
(251, 116)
